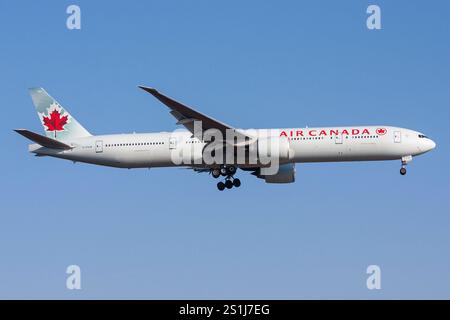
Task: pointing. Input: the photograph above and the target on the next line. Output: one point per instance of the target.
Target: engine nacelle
(285, 174)
(274, 148)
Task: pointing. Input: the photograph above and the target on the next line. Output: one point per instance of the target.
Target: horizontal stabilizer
(42, 140)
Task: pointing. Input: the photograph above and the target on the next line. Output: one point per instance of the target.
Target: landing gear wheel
(215, 173)
(221, 186)
(223, 171)
(228, 184)
(231, 170)
(405, 161)
(237, 183)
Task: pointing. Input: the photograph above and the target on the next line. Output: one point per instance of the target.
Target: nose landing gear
(230, 181)
(405, 161)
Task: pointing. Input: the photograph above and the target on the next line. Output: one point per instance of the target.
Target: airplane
(66, 138)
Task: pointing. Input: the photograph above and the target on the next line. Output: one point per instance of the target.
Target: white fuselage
(360, 143)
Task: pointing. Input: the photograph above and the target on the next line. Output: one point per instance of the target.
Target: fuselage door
(397, 136)
(172, 143)
(98, 146)
(338, 139)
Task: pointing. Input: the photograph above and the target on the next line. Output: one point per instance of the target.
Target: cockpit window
(422, 136)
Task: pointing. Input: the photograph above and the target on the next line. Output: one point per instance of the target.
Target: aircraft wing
(199, 169)
(186, 116)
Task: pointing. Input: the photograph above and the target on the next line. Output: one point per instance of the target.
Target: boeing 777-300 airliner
(211, 146)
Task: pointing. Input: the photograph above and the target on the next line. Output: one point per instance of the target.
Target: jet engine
(275, 148)
(285, 174)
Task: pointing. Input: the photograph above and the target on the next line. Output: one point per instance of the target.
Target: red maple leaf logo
(381, 131)
(55, 122)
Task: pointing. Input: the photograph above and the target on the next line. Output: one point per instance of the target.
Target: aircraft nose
(428, 145)
(432, 144)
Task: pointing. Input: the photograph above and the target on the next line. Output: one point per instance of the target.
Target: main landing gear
(405, 161)
(228, 172)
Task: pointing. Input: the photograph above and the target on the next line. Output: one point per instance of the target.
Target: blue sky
(168, 233)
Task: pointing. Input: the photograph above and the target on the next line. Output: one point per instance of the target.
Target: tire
(403, 171)
(231, 170)
(237, 183)
(228, 184)
(223, 171)
(215, 173)
(221, 186)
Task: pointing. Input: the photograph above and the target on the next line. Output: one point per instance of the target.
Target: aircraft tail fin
(57, 122)
(42, 140)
